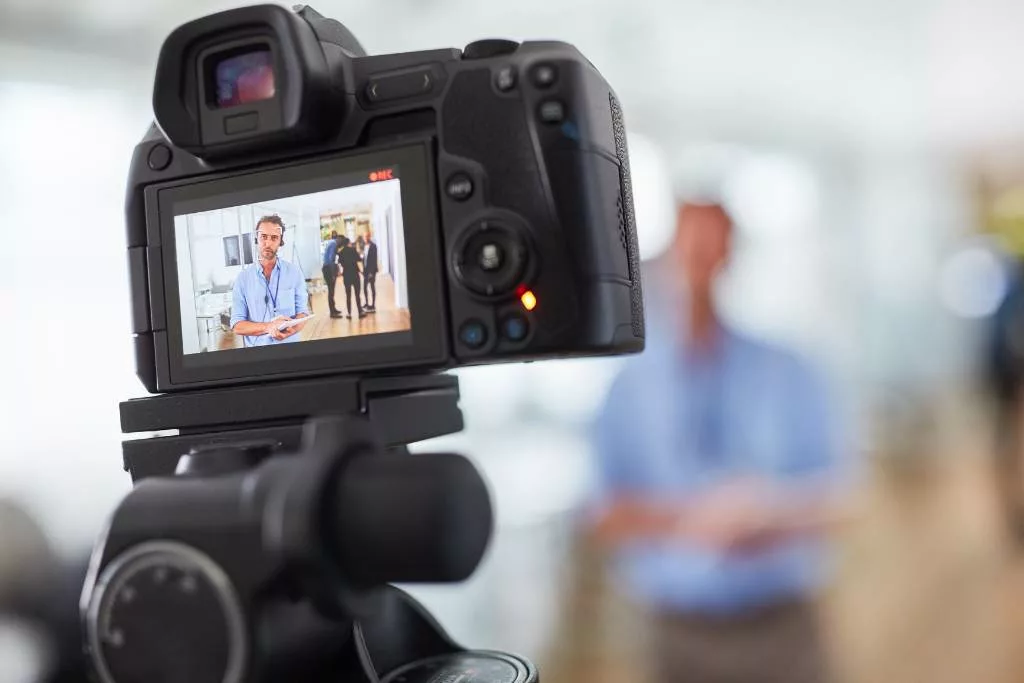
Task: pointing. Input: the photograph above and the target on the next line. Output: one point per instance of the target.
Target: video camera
(480, 198)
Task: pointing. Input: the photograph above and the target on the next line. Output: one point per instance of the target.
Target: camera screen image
(324, 265)
(244, 78)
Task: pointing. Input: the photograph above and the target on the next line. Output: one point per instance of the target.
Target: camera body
(505, 232)
(478, 201)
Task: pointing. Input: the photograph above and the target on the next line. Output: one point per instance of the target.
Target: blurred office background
(872, 154)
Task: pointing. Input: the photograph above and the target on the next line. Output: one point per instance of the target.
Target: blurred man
(330, 272)
(717, 462)
(370, 268)
(1004, 365)
(269, 292)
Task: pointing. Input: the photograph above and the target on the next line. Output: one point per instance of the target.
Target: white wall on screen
(380, 237)
(310, 245)
(390, 204)
(189, 326)
(207, 231)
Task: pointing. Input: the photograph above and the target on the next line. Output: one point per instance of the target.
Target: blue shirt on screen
(258, 300)
(330, 252)
(674, 425)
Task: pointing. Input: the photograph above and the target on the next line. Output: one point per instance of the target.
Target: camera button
(159, 157)
(396, 86)
(515, 328)
(473, 334)
(544, 75)
(491, 257)
(489, 47)
(552, 111)
(505, 79)
(459, 187)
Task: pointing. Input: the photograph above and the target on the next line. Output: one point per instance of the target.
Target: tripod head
(265, 552)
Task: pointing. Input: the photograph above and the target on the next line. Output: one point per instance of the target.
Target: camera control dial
(490, 258)
(489, 47)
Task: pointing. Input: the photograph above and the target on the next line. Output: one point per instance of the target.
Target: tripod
(266, 551)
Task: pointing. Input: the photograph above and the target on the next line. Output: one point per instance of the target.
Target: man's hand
(738, 516)
(297, 327)
(744, 515)
(275, 333)
(288, 331)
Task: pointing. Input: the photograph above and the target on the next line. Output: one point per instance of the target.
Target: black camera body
(479, 200)
(519, 238)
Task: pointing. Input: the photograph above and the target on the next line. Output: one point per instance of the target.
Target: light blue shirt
(258, 300)
(675, 425)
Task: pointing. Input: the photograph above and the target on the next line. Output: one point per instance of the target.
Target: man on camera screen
(269, 292)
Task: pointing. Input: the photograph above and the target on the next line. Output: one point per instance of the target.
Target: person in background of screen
(718, 470)
(330, 271)
(268, 292)
(370, 268)
(360, 245)
(349, 259)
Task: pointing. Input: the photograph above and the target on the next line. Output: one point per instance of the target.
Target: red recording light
(529, 300)
(382, 174)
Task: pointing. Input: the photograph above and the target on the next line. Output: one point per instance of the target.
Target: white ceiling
(870, 73)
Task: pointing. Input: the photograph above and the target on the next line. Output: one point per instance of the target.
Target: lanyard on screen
(273, 297)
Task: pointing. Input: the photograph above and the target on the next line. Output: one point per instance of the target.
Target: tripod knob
(208, 461)
(164, 611)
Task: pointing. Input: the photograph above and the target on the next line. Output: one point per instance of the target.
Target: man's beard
(269, 254)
